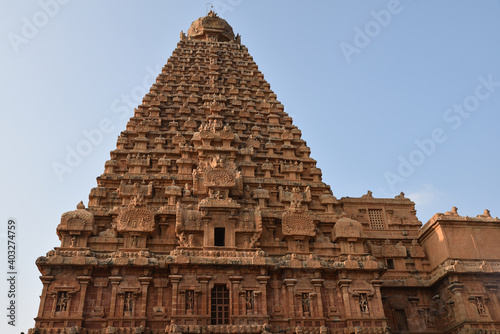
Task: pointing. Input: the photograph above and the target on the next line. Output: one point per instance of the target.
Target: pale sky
(390, 96)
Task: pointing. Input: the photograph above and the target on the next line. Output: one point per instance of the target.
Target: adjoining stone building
(211, 217)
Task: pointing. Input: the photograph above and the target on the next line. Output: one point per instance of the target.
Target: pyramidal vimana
(211, 217)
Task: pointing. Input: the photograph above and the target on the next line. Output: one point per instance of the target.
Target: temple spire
(211, 27)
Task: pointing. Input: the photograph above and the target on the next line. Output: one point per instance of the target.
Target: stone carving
(297, 222)
(127, 190)
(347, 228)
(390, 250)
(286, 196)
(370, 263)
(129, 283)
(416, 250)
(480, 307)
(249, 300)
(453, 212)
(387, 249)
(217, 178)
(486, 214)
(137, 217)
(62, 301)
(110, 232)
(351, 263)
(363, 303)
(306, 303)
(369, 195)
(77, 220)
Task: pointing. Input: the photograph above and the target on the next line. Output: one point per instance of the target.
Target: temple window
(390, 263)
(219, 236)
(220, 305)
(376, 219)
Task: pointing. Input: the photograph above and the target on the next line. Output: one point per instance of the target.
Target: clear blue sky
(364, 86)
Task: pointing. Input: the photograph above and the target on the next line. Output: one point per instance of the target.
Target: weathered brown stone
(211, 217)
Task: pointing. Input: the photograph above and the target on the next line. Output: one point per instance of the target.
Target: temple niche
(211, 217)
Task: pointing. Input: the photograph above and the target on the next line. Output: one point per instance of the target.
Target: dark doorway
(219, 236)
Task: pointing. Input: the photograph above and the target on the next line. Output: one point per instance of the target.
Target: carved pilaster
(318, 283)
(492, 290)
(46, 280)
(290, 283)
(460, 311)
(376, 306)
(115, 281)
(344, 288)
(84, 283)
(263, 280)
(205, 293)
(175, 279)
(235, 281)
(145, 281)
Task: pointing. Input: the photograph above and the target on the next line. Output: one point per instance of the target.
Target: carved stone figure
(363, 303)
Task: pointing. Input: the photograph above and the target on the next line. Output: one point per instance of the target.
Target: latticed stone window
(62, 301)
(220, 305)
(401, 321)
(376, 219)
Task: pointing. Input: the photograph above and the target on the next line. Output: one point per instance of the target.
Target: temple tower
(211, 217)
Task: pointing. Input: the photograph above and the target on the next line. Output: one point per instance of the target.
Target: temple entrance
(220, 305)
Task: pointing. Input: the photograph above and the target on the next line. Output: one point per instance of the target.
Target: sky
(390, 96)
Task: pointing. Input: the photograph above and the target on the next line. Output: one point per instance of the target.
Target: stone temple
(211, 217)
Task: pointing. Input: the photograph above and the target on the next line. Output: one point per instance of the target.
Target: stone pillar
(276, 287)
(84, 283)
(205, 294)
(317, 282)
(333, 305)
(235, 298)
(290, 283)
(344, 287)
(377, 309)
(46, 280)
(145, 281)
(196, 305)
(493, 290)
(459, 307)
(263, 280)
(175, 279)
(115, 281)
